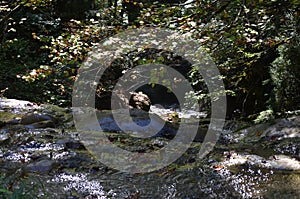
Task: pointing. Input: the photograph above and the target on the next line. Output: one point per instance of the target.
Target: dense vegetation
(254, 43)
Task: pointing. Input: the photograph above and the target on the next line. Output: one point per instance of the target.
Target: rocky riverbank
(43, 156)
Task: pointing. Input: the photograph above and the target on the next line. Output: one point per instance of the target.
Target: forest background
(255, 45)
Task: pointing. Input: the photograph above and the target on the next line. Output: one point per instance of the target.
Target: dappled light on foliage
(254, 44)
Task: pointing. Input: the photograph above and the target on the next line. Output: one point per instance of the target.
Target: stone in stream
(4, 137)
(42, 166)
(42, 124)
(17, 105)
(34, 118)
(283, 128)
(69, 143)
(283, 162)
(107, 101)
(275, 162)
(140, 101)
(275, 130)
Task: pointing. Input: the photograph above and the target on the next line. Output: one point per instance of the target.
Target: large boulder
(119, 101)
(140, 101)
(158, 84)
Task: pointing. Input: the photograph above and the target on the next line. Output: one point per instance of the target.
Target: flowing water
(43, 156)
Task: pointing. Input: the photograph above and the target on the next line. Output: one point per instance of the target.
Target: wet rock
(159, 94)
(42, 166)
(289, 146)
(61, 116)
(252, 133)
(17, 105)
(8, 117)
(4, 137)
(71, 144)
(43, 124)
(283, 128)
(108, 101)
(159, 143)
(34, 118)
(183, 115)
(140, 101)
(54, 109)
(283, 162)
(14, 121)
(18, 112)
(275, 162)
(277, 130)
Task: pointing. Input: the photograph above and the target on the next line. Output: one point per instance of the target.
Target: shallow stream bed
(42, 155)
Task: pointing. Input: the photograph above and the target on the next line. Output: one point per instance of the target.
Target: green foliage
(285, 72)
(264, 116)
(254, 44)
(20, 53)
(45, 53)
(34, 3)
(21, 190)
